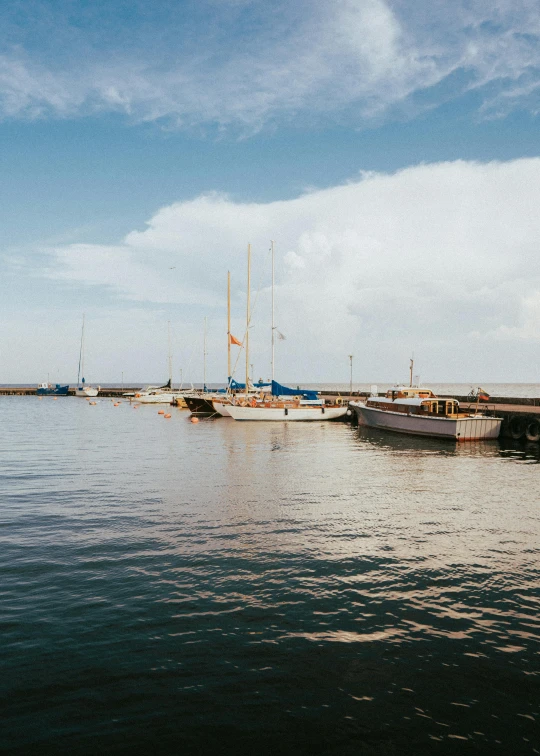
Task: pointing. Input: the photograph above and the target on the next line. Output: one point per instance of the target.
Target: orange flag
(232, 340)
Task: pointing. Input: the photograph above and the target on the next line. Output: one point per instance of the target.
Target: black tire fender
(532, 431)
(517, 426)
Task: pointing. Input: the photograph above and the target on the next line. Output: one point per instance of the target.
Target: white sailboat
(284, 405)
(160, 394)
(82, 389)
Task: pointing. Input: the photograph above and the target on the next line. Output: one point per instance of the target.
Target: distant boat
(47, 389)
(160, 394)
(419, 412)
(82, 389)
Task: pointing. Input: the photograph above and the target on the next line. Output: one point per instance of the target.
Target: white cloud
(249, 64)
(442, 259)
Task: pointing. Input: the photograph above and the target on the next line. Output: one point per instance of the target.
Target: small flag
(280, 336)
(483, 396)
(233, 340)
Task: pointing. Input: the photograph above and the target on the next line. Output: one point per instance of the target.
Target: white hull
(460, 429)
(286, 414)
(221, 408)
(154, 398)
(86, 391)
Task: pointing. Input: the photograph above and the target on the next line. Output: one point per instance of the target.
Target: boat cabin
(403, 392)
(412, 400)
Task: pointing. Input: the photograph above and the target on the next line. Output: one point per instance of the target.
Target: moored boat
(82, 389)
(47, 389)
(418, 411)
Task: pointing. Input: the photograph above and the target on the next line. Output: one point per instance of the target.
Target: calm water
(261, 588)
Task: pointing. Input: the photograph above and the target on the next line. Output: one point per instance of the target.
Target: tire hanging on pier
(517, 426)
(532, 431)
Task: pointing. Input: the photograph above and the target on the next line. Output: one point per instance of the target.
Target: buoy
(166, 415)
(135, 406)
(137, 396)
(116, 404)
(194, 419)
(161, 412)
(55, 398)
(93, 403)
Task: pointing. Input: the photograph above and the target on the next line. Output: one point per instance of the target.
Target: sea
(169, 587)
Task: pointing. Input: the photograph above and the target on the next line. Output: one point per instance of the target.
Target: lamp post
(350, 387)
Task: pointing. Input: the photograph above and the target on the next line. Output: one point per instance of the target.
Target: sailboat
(160, 394)
(284, 403)
(82, 389)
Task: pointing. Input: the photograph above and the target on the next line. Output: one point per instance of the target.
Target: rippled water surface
(261, 588)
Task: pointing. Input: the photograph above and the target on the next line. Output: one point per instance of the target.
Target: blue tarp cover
(279, 390)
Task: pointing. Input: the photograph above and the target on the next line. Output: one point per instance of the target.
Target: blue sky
(127, 129)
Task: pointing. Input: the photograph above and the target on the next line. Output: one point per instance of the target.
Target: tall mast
(229, 328)
(204, 356)
(248, 314)
(411, 370)
(273, 326)
(170, 357)
(81, 356)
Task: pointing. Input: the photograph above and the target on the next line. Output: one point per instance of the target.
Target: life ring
(532, 431)
(339, 400)
(518, 426)
(253, 402)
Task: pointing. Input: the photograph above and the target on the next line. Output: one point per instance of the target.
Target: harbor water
(262, 588)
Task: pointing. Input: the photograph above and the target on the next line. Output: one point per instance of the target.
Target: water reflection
(416, 445)
(316, 588)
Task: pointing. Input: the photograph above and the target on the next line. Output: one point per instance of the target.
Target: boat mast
(273, 326)
(229, 328)
(204, 356)
(411, 370)
(248, 315)
(170, 357)
(81, 356)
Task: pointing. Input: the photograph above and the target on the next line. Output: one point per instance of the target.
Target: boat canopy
(235, 386)
(279, 390)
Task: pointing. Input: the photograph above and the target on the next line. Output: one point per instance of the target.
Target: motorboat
(47, 389)
(418, 411)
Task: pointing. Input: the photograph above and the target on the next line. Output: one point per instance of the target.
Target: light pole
(350, 386)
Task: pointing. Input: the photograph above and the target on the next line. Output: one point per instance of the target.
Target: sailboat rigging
(82, 389)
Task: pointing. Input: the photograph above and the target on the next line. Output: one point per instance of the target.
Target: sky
(390, 150)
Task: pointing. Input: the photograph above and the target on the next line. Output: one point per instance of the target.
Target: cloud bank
(245, 65)
(438, 259)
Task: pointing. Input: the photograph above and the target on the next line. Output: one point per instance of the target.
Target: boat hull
(154, 398)
(221, 408)
(471, 428)
(57, 391)
(286, 414)
(200, 405)
(86, 392)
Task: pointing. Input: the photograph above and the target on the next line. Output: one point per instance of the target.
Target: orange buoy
(137, 396)
(93, 403)
(116, 404)
(194, 419)
(161, 412)
(166, 416)
(55, 398)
